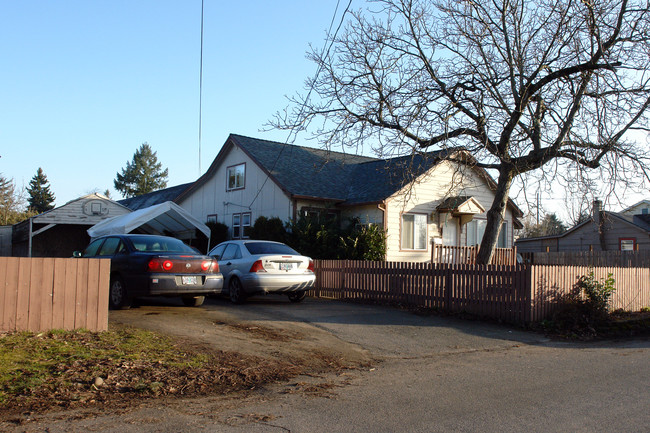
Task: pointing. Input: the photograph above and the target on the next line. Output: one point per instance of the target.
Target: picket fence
(39, 294)
(516, 294)
(467, 255)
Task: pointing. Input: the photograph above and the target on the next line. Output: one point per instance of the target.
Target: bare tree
(524, 86)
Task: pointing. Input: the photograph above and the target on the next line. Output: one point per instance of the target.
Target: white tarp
(163, 218)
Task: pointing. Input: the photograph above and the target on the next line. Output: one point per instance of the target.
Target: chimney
(598, 207)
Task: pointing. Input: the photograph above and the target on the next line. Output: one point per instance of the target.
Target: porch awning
(166, 218)
(460, 205)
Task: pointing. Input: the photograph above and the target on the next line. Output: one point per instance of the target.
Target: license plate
(286, 266)
(189, 280)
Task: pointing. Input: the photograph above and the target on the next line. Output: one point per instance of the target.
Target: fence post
(448, 286)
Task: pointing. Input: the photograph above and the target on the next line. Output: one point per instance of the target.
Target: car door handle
(229, 263)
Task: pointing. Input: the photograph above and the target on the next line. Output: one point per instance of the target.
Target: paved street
(432, 374)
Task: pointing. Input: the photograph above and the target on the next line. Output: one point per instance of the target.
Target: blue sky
(84, 83)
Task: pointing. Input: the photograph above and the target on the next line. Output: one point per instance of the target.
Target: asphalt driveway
(429, 374)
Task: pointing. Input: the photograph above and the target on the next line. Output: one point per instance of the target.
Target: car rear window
(161, 245)
(256, 248)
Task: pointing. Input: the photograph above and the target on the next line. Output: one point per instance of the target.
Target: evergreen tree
(41, 198)
(7, 200)
(142, 175)
(549, 226)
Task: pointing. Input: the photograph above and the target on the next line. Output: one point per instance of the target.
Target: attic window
(96, 208)
(236, 177)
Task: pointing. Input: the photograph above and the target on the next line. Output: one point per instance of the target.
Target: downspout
(382, 207)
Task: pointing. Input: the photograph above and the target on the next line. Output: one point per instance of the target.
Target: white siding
(87, 210)
(213, 198)
(441, 182)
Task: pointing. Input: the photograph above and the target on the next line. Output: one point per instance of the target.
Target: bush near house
(323, 238)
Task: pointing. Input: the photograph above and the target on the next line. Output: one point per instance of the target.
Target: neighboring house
(436, 201)
(61, 231)
(604, 231)
(640, 208)
(5, 240)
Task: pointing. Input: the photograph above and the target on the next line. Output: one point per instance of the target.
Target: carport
(166, 218)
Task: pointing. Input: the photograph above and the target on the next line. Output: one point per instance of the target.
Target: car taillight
(257, 267)
(207, 264)
(157, 265)
(310, 267)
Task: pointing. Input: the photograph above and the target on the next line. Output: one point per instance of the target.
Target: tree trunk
(495, 217)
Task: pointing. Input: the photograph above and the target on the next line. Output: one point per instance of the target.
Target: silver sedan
(251, 267)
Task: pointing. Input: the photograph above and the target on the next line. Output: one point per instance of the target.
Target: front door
(450, 232)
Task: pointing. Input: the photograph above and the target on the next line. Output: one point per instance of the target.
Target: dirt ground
(233, 330)
(256, 352)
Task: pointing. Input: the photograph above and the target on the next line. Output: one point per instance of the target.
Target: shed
(61, 231)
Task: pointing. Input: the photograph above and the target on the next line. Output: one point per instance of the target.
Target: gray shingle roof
(154, 198)
(352, 179)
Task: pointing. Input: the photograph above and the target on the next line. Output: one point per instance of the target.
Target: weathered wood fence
(625, 259)
(467, 255)
(516, 294)
(39, 294)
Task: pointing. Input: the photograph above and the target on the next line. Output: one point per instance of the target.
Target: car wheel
(193, 301)
(297, 296)
(236, 291)
(118, 299)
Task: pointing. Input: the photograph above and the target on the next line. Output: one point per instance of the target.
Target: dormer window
(236, 177)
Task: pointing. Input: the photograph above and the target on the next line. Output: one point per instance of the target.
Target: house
(640, 208)
(61, 231)
(418, 199)
(604, 231)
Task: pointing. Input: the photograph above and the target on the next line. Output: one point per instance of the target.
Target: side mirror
(76, 254)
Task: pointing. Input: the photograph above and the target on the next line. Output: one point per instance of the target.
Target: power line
(201, 86)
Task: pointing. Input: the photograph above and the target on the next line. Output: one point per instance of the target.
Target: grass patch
(62, 369)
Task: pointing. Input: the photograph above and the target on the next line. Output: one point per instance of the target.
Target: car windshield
(256, 248)
(160, 244)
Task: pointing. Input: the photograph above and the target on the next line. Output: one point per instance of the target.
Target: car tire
(193, 301)
(236, 291)
(117, 297)
(297, 296)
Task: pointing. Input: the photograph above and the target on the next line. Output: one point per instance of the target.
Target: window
(232, 252)
(236, 177)
(241, 225)
(503, 236)
(91, 250)
(476, 230)
(218, 251)
(212, 218)
(627, 244)
(414, 232)
(644, 211)
(111, 247)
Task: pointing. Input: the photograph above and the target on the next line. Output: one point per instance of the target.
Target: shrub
(585, 308)
(270, 229)
(218, 232)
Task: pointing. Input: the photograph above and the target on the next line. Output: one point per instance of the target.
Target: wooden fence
(467, 255)
(625, 259)
(516, 294)
(39, 294)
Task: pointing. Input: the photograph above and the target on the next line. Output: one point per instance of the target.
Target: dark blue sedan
(146, 265)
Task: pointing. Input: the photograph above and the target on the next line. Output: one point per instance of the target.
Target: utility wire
(201, 86)
(311, 88)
